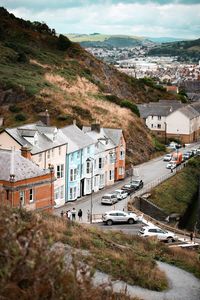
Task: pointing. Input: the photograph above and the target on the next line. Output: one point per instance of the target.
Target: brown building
(23, 183)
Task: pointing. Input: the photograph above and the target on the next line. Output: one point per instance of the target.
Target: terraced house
(45, 145)
(78, 172)
(23, 183)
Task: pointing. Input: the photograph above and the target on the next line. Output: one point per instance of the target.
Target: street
(150, 172)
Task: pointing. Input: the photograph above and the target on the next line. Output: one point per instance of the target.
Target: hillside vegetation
(40, 70)
(176, 194)
(185, 50)
(44, 257)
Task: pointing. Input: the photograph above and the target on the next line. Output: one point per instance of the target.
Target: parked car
(121, 194)
(130, 189)
(171, 165)
(109, 199)
(161, 234)
(167, 157)
(186, 156)
(137, 184)
(117, 216)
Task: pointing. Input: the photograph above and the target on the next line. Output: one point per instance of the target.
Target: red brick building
(23, 183)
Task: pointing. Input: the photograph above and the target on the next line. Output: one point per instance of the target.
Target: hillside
(105, 41)
(45, 257)
(185, 50)
(40, 70)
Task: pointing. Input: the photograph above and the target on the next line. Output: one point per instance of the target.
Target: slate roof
(43, 141)
(112, 136)
(189, 112)
(161, 108)
(76, 138)
(22, 168)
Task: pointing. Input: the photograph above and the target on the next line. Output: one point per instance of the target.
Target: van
(109, 199)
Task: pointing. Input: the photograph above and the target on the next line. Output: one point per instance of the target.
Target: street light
(90, 160)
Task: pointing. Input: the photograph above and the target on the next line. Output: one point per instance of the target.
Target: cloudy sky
(153, 18)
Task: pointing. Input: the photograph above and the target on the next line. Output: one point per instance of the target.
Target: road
(150, 172)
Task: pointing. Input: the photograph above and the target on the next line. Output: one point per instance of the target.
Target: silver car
(109, 199)
(118, 216)
(121, 194)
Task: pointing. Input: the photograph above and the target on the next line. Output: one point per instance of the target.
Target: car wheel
(131, 221)
(170, 239)
(109, 222)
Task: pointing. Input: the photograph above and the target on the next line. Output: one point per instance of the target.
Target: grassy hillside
(185, 50)
(177, 193)
(40, 70)
(106, 41)
(44, 257)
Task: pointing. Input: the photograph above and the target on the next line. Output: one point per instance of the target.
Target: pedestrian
(171, 169)
(191, 236)
(88, 215)
(80, 214)
(62, 213)
(73, 214)
(68, 214)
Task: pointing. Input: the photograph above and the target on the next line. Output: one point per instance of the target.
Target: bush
(63, 42)
(131, 106)
(113, 98)
(14, 108)
(20, 117)
(158, 146)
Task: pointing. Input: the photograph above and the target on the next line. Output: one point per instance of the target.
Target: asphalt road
(150, 172)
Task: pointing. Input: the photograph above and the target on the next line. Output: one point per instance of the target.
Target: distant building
(24, 184)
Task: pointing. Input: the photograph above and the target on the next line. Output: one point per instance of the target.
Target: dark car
(137, 184)
(130, 189)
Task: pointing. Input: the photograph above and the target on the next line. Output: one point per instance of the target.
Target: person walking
(73, 214)
(68, 214)
(191, 236)
(62, 213)
(80, 214)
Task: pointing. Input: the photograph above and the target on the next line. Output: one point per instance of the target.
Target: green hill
(185, 50)
(40, 70)
(105, 41)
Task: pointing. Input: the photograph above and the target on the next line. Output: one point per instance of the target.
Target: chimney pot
(26, 152)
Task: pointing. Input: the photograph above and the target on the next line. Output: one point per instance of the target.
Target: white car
(118, 216)
(121, 194)
(171, 165)
(167, 157)
(109, 199)
(160, 234)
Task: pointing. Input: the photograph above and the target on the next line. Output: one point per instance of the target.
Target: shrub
(14, 108)
(158, 145)
(131, 106)
(113, 98)
(63, 42)
(20, 117)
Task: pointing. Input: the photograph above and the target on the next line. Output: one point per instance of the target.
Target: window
(159, 126)
(31, 195)
(95, 164)
(121, 171)
(59, 150)
(101, 163)
(111, 174)
(48, 154)
(88, 167)
(101, 179)
(59, 193)
(62, 192)
(152, 117)
(122, 155)
(159, 117)
(22, 198)
(73, 173)
(40, 157)
(151, 125)
(72, 156)
(60, 171)
(72, 192)
(112, 158)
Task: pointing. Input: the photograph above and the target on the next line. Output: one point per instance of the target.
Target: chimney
(26, 152)
(45, 118)
(95, 127)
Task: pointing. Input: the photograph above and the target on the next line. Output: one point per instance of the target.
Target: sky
(151, 18)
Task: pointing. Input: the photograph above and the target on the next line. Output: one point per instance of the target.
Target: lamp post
(90, 160)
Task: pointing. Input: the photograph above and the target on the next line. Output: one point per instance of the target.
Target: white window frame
(22, 198)
(73, 174)
(31, 195)
(60, 171)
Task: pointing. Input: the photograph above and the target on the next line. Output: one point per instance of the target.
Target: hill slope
(39, 71)
(185, 50)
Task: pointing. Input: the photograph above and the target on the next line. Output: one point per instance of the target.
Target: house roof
(24, 135)
(22, 168)
(109, 137)
(76, 138)
(161, 108)
(189, 111)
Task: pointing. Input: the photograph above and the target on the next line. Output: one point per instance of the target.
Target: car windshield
(135, 181)
(106, 197)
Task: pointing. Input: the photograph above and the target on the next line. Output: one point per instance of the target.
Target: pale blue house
(79, 171)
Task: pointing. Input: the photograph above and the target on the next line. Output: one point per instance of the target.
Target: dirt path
(182, 285)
